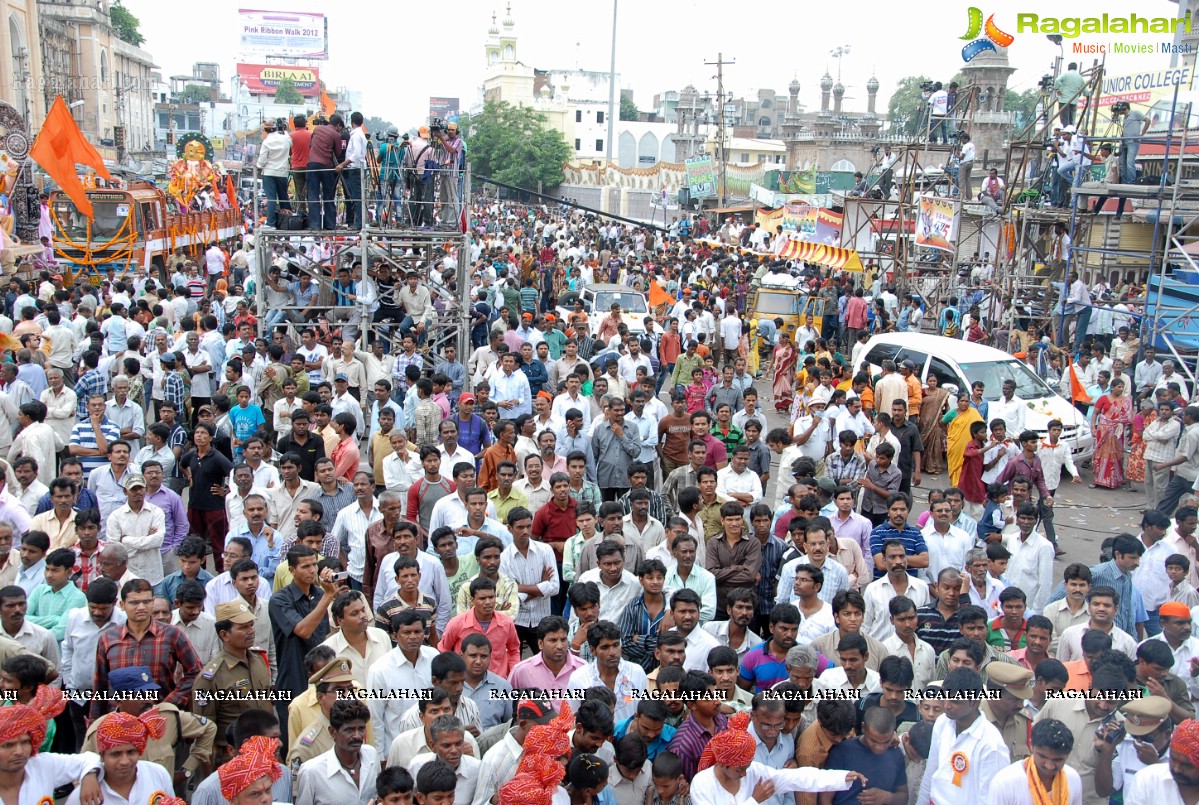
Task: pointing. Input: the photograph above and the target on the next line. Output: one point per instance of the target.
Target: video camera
(927, 86)
(1046, 83)
(436, 126)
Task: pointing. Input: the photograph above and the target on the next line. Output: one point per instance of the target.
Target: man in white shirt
(1031, 565)
(947, 544)
(967, 750)
(737, 481)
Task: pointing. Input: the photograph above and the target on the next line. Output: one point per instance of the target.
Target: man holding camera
(447, 148)
(274, 161)
(1134, 128)
(415, 161)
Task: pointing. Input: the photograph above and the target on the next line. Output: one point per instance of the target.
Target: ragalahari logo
(992, 38)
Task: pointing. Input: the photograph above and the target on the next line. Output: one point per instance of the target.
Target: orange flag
(59, 146)
(658, 295)
(328, 107)
(1077, 392)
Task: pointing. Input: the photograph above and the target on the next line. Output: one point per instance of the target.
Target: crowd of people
(680, 562)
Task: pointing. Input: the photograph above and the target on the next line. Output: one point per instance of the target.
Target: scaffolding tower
(882, 230)
(1158, 226)
(394, 242)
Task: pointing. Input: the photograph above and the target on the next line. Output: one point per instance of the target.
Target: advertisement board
(701, 177)
(444, 109)
(263, 79)
(299, 34)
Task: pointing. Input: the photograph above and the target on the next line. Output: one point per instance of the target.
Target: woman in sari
(959, 420)
(932, 432)
(1136, 456)
(1113, 415)
(785, 357)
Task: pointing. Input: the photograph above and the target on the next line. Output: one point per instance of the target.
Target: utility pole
(720, 134)
(611, 91)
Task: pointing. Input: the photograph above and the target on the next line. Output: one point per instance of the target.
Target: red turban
(30, 719)
(122, 728)
(260, 745)
(551, 740)
(255, 760)
(534, 783)
(733, 746)
(1185, 741)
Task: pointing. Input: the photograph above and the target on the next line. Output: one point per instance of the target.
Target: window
(744, 157)
(578, 144)
(599, 145)
(918, 358)
(945, 374)
(599, 117)
(882, 352)
(993, 373)
(578, 115)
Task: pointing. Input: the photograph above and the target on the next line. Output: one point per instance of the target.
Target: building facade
(108, 83)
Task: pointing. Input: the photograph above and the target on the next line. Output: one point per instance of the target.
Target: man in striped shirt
(91, 437)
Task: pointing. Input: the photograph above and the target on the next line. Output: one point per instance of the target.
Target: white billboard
(297, 34)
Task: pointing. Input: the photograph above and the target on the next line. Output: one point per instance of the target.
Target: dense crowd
(599, 560)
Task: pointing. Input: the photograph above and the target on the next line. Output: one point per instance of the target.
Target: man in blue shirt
(896, 527)
(872, 754)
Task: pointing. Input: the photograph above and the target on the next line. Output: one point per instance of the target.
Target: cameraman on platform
(391, 175)
(1134, 128)
(447, 149)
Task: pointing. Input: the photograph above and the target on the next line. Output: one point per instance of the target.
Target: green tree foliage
(1023, 104)
(905, 107)
(628, 109)
(286, 92)
(125, 24)
(378, 125)
(513, 144)
(195, 93)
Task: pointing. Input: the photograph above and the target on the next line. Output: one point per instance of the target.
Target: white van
(960, 363)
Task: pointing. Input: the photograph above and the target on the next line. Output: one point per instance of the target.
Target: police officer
(1014, 684)
(238, 678)
(181, 725)
(335, 679)
(1146, 742)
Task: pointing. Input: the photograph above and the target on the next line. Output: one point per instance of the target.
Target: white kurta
(45, 772)
(151, 778)
(986, 755)
(1153, 786)
(1010, 787)
(707, 790)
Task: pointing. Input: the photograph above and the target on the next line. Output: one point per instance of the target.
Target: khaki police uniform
(314, 737)
(236, 682)
(181, 726)
(1014, 680)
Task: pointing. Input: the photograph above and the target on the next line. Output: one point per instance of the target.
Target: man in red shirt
(856, 315)
(554, 522)
(300, 138)
(483, 619)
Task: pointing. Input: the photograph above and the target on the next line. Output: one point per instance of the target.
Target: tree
(905, 110)
(287, 93)
(125, 24)
(1023, 104)
(378, 125)
(195, 93)
(514, 145)
(628, 109)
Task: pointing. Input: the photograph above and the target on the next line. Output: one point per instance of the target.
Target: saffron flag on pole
(59, 147)
(658, 295)
(1077, 393)
(328, 107)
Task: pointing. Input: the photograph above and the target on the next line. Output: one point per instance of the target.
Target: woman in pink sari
(785, 357)
(1113, 416)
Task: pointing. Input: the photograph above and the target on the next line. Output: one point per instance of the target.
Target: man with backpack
(415, 163)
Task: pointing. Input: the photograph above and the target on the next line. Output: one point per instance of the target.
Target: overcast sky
(398, 55)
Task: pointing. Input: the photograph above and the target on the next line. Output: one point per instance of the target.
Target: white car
(960, 363)
(597, 303)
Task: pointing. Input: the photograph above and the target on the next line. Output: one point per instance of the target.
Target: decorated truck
(139, 224)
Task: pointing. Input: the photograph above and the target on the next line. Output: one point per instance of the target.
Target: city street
(1084, 516)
